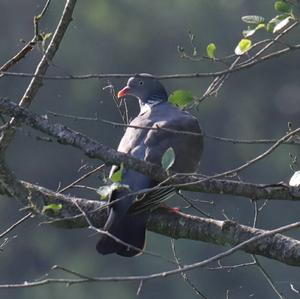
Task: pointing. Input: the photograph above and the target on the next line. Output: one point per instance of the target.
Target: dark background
(142, 36)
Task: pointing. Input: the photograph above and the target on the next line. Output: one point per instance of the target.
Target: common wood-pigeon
(128, 217)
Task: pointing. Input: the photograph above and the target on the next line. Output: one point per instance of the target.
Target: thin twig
(188, 201)
(41, 69)
(159, 77)
(57, 267)
(267, 277)
(125, 125)
(81, 178)
(15, 225)
(245, 165)
(183, 274)
(103, 232)
(118, 103)
(159, 274)
(41, 15)
(20, 55)
(28, 47)
(250, 141)
(231, 267)
(271, 43)
(157, 128)
(217, 83)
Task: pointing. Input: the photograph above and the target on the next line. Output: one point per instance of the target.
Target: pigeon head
(147, 89)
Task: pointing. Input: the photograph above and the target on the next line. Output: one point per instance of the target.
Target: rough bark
(95, 149)
(163, 220)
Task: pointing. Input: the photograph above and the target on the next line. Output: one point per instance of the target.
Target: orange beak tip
(123, 92)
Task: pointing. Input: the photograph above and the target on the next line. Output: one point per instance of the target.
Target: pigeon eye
(141, 82)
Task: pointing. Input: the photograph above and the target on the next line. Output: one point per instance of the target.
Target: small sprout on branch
(243, 46)
(294, 163)
(211, 50)
(254, 23)
(52, 209)
(46, 36)
(251, 31)
(192, 38)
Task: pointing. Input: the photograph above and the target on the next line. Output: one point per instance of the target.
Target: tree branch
(163, 221)
(94, 149)
(41, 69)
(29, 45)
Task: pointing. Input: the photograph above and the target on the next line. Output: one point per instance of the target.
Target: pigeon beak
(123, 92)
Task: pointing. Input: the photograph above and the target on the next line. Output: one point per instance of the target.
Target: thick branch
(163, 221)
(228, 233)
(94, 149)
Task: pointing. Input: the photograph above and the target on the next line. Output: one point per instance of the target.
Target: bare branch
(217, 138)
(29, 46)
(164, 221)
(13, 226)
(196, 75)
(20, 55)
(267, 277)
(247, 243)
(251, 141)
(183, 274)
(42, 67)
(94, 149)
(82, 178)
(161, 77)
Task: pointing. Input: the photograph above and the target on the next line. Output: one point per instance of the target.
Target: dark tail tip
(131, 230)
(107, 245)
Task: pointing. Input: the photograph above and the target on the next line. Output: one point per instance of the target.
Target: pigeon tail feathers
(131, 229)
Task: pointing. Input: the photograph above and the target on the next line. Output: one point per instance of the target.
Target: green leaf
(117, 175)
(168, 159)
(253, 19)
(273, 22)
(283, 7)
(280, 25)
(260, 26)
(211, 50)
(106, 191)
(249, 32)
(243, 46)
(52, 208)
(180, 98)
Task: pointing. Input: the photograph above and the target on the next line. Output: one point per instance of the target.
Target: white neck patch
(145, 107)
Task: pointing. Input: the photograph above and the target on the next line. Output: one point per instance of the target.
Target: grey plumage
(127, 218)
